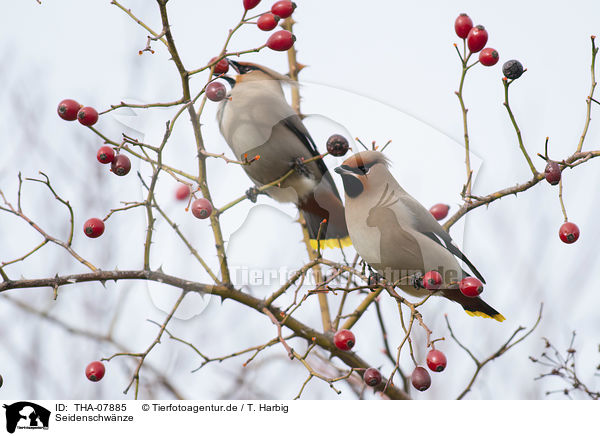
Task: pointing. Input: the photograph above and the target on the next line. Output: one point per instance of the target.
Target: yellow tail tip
(498, 317)
(331, 243)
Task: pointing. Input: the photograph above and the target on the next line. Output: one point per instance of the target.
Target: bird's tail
(320, 206)
(473, 306)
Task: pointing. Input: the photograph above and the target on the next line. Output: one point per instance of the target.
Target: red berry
(250, 4)
(281, 40)
(95, 371)
(436, 360)
(121, 165)
(439, 211)
(552, 173)
(67, 109)
(432, 280)
(372, 377)
(488, 57)
(215, 91)
(420, 379)
(267, 21)
(182, 192)
(87, 116)
(105, 155)
(344, 339)
(462, 25)
(93, 227)
(569, 233)
(337, 145)
(477, 38)
(221, 67)
(471, 286)
(283, 8)
(201, 208)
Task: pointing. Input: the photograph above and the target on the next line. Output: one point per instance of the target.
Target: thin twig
(501, 350)
(506, 84)
(588, 111)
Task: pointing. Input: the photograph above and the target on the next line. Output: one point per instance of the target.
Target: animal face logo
(26, 415)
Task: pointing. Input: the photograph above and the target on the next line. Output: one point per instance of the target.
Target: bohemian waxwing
(256, 119)
(398, 237)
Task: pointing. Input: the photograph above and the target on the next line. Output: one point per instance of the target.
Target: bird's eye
(364, 169)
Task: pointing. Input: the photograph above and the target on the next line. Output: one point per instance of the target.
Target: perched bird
(398, 237)
(256, 119)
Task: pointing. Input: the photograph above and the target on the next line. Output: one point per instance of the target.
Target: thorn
(300, 67)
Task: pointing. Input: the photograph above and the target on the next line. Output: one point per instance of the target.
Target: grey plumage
(397, 236)
(257, 120)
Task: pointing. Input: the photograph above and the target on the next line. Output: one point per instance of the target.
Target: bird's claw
(252, 193)
(374, 279)
(300, 167)
(416, 280)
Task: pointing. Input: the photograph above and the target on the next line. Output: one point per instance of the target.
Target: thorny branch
(331, 277)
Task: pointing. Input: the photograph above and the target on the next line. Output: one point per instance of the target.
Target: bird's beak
(236, 66)
(229, 80)
(343, 170)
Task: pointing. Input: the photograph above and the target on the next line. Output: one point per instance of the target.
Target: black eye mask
(360, 170)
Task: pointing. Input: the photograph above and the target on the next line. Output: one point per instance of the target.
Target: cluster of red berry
(420, 378)
(469, 286)
(476, 38)
(70, 110)
(281, 40)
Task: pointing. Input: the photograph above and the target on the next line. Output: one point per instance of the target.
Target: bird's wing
(425, 223)
(294, 123)
(247, 120)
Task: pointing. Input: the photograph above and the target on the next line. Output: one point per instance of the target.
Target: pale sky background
(377, 70)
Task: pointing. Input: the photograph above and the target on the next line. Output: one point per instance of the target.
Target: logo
(26, 415)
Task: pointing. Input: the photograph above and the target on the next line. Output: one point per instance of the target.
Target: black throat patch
(352, 185)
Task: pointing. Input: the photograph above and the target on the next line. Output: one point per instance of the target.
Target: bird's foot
(300, 167)
(374, 279)
(252, 193)
(416, 280)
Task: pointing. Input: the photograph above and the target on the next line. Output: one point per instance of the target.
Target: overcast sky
(377, 71)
